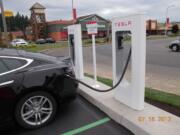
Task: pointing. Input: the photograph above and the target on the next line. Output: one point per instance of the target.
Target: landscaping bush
(25, 47)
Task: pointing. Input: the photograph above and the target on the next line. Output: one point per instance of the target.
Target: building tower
(38, 21)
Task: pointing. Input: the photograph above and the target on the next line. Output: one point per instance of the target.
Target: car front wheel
(35, 110)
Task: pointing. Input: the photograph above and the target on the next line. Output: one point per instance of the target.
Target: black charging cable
(110, 89)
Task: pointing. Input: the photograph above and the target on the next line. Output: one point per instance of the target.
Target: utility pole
(4, 23)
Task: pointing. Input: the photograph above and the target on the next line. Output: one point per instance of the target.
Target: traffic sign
(8, 13)
(92, 27)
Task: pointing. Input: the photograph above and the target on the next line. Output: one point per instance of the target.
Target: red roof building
(58, 29)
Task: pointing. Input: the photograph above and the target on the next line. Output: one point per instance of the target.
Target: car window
(3, 68)
(21, 40)
(13, 63)
(18, 40)
(15, 40)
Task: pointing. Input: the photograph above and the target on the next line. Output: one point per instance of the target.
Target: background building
(103, 24)
(152, 27)
(38, 21)
(40, 28)
(58, 29)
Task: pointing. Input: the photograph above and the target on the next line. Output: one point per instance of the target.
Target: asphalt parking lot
(80, 117)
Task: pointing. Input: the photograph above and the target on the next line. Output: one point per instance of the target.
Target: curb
(128, 117)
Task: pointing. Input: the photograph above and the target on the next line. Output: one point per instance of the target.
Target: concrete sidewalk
(150, 121)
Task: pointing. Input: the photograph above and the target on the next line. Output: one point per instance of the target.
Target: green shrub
(25, 47)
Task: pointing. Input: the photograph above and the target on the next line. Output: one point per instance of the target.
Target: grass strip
(152, 94)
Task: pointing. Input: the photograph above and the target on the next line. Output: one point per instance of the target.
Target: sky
(61, 9)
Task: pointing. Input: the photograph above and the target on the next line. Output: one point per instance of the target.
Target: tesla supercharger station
(75, 49)
(130, 93)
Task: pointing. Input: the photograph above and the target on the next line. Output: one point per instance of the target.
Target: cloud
(122, 10)
(61, 9)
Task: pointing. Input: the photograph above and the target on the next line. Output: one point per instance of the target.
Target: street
(162, 68)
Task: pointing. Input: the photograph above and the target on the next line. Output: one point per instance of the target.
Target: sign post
(93, 30)
(94, 57)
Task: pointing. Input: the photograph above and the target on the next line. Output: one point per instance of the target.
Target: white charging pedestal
(75, 46)
(131, 93)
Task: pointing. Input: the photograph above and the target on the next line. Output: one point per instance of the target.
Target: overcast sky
(61, 9)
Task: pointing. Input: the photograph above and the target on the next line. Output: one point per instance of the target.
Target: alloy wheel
(36, 110)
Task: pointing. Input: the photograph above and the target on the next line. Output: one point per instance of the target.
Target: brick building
(58, 29)
(152, 27)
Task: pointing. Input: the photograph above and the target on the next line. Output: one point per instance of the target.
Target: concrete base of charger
(128, 117)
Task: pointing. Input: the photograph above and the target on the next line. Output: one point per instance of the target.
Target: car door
(10, 83)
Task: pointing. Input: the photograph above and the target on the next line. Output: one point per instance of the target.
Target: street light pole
(72, 4)
(74, 14)
(72, 9)
(167, 10)
(4, 21)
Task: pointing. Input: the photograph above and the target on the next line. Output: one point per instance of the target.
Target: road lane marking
(87, 127)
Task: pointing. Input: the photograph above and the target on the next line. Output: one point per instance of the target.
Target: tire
(175, 48)
(35, 110)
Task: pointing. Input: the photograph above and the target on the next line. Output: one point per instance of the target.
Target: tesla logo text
(123, 24)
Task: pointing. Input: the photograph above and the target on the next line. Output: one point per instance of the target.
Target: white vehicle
(19, 42)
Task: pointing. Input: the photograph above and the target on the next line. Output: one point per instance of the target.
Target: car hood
(175, 42)
(21, 42)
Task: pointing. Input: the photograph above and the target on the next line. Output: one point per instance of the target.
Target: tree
(17, 22)
(175, 29)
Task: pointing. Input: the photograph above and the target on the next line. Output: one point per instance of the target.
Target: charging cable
(110, 89)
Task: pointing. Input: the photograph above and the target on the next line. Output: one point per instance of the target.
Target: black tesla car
(32, 86)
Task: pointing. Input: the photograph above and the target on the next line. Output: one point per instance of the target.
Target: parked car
(32, 85)
(41, 41)
(19, 42)
(175, 45)
(50, 40)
